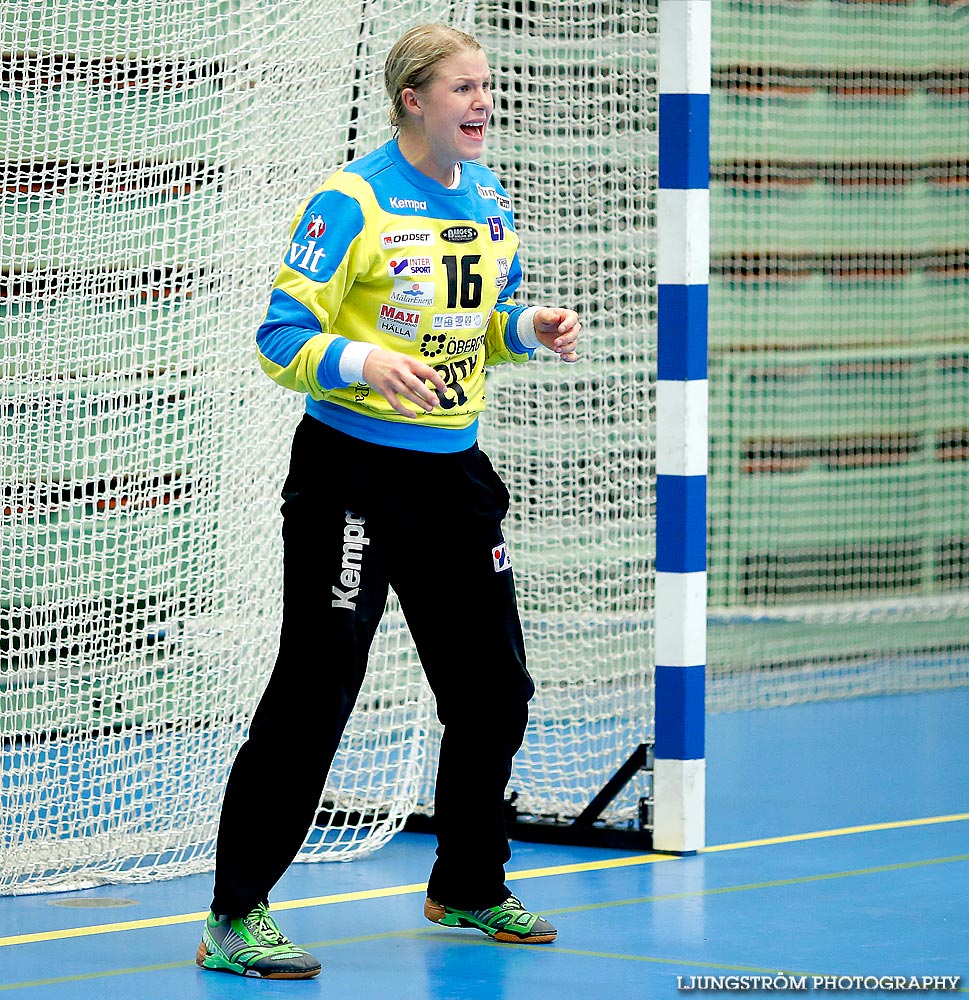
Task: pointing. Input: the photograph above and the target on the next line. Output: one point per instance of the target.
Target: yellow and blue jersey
(383, 255)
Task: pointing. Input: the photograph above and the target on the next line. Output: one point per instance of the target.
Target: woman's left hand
(558, 330)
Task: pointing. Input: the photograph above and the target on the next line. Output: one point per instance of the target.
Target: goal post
(683, 257)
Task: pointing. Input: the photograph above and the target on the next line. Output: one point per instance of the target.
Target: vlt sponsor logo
(402, 237)
(307, 256)
(354, 540)
(399, 322)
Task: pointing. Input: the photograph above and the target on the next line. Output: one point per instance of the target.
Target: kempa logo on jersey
(414, 293)
(458, 321)
(399, 322)
(459, 234)
(411, 267)
(402, 237)
(354, 539)
(490, 192)
(411, 203)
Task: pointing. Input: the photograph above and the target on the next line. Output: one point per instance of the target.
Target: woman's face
(454, 109)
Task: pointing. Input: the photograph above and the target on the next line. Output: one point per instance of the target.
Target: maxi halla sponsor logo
(784, 983)
(399, 322)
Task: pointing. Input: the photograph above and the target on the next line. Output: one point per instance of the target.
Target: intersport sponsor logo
(411, 267)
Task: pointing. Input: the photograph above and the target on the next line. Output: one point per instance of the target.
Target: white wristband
(526, 328)
(352, 360)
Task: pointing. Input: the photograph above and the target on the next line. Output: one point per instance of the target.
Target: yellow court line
(69, 933)
(188, 918)
(840, 832)
(591, 866)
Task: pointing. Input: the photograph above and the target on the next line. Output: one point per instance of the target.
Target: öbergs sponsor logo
(403, 237)
(399, 322)
(471, 346)
(459, 234)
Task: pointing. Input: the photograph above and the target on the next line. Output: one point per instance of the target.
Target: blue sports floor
(840, 848)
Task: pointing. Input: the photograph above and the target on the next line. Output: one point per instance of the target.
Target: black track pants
(358, 518)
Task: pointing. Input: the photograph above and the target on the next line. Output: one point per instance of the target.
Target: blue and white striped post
(683, 265)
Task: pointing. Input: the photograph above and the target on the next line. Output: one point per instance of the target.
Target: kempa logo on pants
(354, 539)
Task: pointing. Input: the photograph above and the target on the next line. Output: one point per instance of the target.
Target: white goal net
(152, 156)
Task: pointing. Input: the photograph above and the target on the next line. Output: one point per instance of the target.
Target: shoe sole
(204, 959)
(437, 914)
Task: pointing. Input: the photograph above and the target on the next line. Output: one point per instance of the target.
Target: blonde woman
(395, 292)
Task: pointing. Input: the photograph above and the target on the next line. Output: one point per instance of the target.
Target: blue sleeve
(511, 311)
(296, 342)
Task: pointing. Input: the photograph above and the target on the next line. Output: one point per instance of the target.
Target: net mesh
(152, 155)
(839, 336)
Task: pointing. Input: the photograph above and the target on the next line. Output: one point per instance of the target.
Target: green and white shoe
(253, 945)
(509, 921)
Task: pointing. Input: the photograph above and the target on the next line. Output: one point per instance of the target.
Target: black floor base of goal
(584, 830)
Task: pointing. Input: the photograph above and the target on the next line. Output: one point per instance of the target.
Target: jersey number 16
(469, 285)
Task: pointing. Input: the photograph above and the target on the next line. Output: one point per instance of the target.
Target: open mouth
(473, 129)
